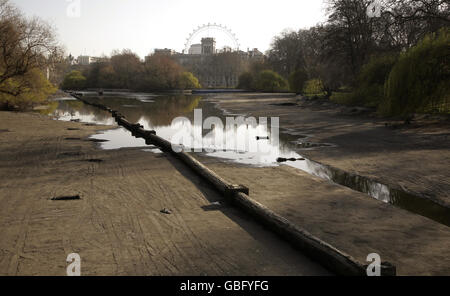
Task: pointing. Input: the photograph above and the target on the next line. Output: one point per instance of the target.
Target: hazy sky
(142, 25)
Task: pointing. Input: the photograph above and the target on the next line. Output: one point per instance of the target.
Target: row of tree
(125, 70)
(358, 46)
(33, 65)
(388, 54)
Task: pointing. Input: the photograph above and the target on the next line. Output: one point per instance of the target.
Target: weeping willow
(420, 80)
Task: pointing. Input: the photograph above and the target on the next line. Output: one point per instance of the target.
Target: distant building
(99, 59)
(224, 49)
(195, 49)
(214, 68)
(255, 54)
(84, 60)
(164, 51)
(87, 60)
(208, 46)
(217, 68)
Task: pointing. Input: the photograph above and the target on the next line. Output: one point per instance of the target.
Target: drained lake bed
(256, 145)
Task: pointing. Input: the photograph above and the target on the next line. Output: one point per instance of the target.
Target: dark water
(156, 112)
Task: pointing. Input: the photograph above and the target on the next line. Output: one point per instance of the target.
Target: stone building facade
(214, 68)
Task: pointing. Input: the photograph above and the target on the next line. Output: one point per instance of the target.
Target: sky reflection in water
(157, 112)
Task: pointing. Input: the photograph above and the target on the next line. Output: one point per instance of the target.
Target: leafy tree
(271, 81)
(74, 81)
(340, 52)
(313, 87)
(107, 77)
(102, 75)
(420, 80)
(188, 81)
(377, 69)
(371, 79)
(35, 88)
(246, 81)
(161, 72)
(125, 70)
(297, 81)
(128, 68)
(258, 66)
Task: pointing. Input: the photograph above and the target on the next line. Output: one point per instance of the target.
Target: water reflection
(69, 109)
(118, 138)
(156, 112)
(376, 190)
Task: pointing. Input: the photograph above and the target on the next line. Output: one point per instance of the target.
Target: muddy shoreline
(117, 224)
(414, 158)
(333, 259)
(347, 219)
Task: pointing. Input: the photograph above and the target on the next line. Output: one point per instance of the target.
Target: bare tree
(407, 21)
(286, 53)
(350, 32)
(127, 66)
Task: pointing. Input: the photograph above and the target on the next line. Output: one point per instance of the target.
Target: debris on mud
(166, 211)
(70, 154)
(284, 104)
(282, 159)
(70, 197)
(98, 140)
(94, 160)
(311, 145)
(214, 206)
